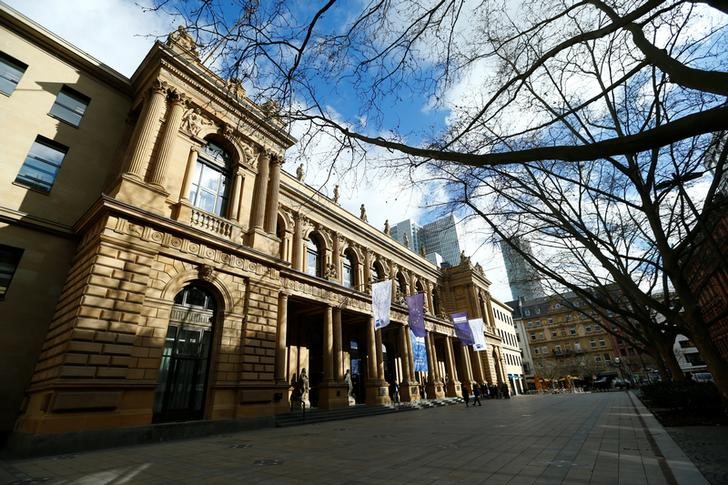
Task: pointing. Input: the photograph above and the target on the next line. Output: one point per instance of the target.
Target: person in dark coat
(476, 395)
(466, 396)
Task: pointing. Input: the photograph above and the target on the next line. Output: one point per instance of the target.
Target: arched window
(401, 284)
(377, 272)
(349, 274)
(180, 393)
(314, 257)
(210, 181)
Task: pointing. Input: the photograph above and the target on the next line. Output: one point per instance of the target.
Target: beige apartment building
(565, 344)
(158, 264)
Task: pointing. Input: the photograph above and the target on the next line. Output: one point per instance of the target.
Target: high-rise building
(407, 233)
(439, 238)
(522, 277)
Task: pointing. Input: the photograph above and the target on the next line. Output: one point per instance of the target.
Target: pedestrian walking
(466, 396)
(476, 395)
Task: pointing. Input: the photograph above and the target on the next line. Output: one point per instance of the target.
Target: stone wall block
(111, 372)
(117, 349)
(89, 347)
(99, 359)
(76, 371)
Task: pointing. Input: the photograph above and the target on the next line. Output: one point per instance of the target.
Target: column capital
(176, 97)
(159, 86)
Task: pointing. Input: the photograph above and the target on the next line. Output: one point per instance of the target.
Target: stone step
(315, 415)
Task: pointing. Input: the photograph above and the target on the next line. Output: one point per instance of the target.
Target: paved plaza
(575, 438)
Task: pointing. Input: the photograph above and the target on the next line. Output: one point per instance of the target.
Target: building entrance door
(180, 394)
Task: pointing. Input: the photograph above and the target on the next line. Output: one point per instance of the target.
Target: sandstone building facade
(158, 264)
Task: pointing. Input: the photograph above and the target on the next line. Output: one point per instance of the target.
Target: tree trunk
(667, 355)
(662, 369)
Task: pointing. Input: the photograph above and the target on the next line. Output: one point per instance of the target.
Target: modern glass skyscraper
(439, 237)
(523, 279)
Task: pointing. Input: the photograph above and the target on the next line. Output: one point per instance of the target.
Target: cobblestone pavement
(707, 447)
(580, 438)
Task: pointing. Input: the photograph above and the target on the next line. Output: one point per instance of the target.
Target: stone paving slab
(579, 438)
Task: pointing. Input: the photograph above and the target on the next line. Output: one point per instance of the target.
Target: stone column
(169, 136)
(189, 172)
(338, 356)
(376, 387)
(336, 257)
(328, 344)
(453, 381)
(367, 270)
(146, 130)
(297, 256)
(406, 354)
(395, 281)
(431, 384)
(477, 365)
(410, 355)
(380, 355)
(236, 194)
(372, 351)
(280, 368)
(271, 213)
(261, 189)
(468, 364)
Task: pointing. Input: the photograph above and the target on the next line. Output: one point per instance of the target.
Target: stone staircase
(315, 415)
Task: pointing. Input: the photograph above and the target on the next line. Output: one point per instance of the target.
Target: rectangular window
(41, 165)
(70, 106)
(602, 343)
(593, 344)
(572, 330)
(11, 70)
(577, 346)
(9, 259)
(607, 357)
(533, 336)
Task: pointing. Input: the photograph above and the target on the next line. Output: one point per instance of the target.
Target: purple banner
(416, 306)
(462, 328)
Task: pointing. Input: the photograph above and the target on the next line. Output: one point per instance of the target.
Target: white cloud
(116, 32)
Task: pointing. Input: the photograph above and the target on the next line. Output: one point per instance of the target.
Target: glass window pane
(312, 263)
(9, 260)
(66, 114)
(41, 165)
(205, 201)
(70, 106)
(11, 70)
(210, 178)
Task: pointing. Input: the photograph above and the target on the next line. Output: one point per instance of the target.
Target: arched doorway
(183, 371)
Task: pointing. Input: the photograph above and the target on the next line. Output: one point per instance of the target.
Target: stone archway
(185, 364)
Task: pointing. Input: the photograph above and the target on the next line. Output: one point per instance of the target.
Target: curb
(682, 469)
